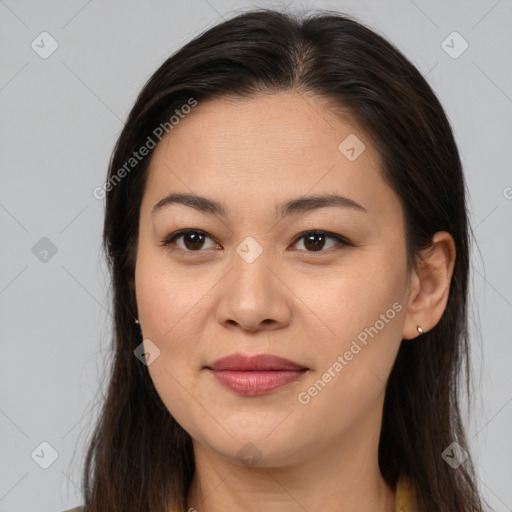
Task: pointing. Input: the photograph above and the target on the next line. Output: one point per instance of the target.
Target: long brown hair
(139, 458)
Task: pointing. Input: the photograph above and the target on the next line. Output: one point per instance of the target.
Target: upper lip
(258, 362)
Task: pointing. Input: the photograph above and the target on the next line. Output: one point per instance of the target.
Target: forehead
(282, 129)
(280, 145)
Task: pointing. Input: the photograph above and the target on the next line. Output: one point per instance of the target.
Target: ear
(429, 285)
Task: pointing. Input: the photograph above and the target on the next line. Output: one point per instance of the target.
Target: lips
(253, 375)
(247, 363)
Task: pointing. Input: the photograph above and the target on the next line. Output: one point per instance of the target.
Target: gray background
(60, 117)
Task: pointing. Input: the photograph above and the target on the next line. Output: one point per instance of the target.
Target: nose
(252, 297)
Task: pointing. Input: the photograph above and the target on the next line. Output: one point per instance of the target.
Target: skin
(205, 302)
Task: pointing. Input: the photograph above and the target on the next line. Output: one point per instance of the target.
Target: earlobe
(430, 286)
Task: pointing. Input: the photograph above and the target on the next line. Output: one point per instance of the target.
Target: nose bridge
(251, 296)
(251, 277)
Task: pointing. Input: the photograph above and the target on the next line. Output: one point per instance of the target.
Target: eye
(315, 241)
(193, 240)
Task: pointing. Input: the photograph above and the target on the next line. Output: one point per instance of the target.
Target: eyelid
(169, 240)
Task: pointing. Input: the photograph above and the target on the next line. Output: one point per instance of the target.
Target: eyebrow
(292, 207)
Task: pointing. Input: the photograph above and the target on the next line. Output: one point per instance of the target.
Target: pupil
(317, 244)
(194, 240)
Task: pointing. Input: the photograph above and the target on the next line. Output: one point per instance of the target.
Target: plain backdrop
(64, 96)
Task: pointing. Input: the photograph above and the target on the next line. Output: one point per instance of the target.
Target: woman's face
(248, 278)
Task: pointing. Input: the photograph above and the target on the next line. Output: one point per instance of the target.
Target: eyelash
(169, 241)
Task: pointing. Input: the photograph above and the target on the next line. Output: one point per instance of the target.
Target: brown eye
(314, 242)
(193, 240)
(318, 241)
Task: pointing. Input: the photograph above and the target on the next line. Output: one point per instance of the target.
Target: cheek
(169, 300)
(345, 301)
(361, 309)
(172, 304)
(170, 308)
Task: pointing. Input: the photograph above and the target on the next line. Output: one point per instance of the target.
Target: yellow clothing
(404, 496)
(403, 500)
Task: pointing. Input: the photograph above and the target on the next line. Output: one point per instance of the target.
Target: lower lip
(255, 383)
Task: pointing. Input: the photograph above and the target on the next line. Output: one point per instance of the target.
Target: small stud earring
(137, 321)
(420, 330)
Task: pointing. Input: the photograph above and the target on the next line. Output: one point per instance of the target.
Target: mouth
(253, 375)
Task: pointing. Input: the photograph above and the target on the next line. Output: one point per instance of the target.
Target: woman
(287, 234)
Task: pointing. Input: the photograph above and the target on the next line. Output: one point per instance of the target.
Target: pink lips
(252, 375)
